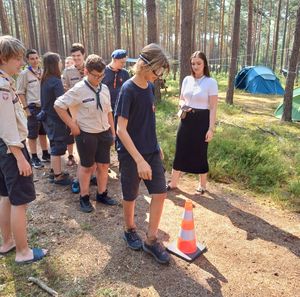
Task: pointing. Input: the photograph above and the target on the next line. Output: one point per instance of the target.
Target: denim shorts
(130, 179)
(94, 147)
(19, 188)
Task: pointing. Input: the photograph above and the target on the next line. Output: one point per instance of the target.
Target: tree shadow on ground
(255, 226)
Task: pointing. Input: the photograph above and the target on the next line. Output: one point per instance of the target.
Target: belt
(196, 110)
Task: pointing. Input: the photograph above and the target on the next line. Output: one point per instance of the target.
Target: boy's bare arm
(144, 169)
(63, 114)
(23, 166)
(111, 123)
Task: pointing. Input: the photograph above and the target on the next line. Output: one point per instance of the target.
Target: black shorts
(19, 189)
(57, 148)
(35, 127)
(130, 179)
(94, 147)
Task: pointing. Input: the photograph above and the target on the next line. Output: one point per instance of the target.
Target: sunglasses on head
(158, 72)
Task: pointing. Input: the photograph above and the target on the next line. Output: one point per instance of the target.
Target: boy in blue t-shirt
(115, 75)
(138, 150)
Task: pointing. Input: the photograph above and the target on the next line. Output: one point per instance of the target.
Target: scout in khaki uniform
(94, 129)
(29, 91)
(16, 183)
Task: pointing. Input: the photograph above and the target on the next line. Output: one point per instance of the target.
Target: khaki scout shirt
(13, 128)
(82, 99)
(70, 77)
(29, 85)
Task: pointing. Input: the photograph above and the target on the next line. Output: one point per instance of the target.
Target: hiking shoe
(132, 239)
(75, 187)
(62, 179)
(85, 204)
(36, 163)
(71, 160)
(158, 251)
(93, 180)
(103, 198)
(46, 158)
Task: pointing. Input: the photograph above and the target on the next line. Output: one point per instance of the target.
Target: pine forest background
(103, 25)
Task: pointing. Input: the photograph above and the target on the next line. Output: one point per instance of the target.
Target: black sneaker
(93, 180)
(36, 163)
(133, 240)
(63, 179)
(46, 158)
(103, 198)
(158, 251)
(85, 204)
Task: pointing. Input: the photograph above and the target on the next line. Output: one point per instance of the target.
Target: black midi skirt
(191, 148)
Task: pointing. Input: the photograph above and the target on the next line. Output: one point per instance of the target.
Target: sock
(34, 156)
(45, 153)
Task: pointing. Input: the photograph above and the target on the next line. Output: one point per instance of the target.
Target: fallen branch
(43, 286)
(267, 131)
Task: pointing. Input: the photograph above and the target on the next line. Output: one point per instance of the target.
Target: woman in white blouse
(199, 93)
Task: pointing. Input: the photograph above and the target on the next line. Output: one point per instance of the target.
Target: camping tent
(296, 107)
(258, 80)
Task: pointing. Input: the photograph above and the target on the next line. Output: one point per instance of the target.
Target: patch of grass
(106, 292)
(86, 226)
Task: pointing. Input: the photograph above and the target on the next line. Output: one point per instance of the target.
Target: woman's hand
(209, 135)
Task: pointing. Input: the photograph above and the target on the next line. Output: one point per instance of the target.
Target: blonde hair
(10, 47)
(151, 56)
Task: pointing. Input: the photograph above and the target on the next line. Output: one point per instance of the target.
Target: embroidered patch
(4, 90)
(75, 78)
(5, 96)
(88, 100)
(31, 81)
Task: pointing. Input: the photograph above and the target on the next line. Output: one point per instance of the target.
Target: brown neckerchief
(37, 74)
(81, 71)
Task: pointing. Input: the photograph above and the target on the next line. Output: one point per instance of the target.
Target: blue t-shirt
(137, 105)
(114, 81)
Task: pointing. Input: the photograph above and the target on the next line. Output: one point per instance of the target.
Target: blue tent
(258, 80)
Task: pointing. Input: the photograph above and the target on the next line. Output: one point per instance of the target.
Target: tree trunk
(268, 36)
(249, 35)
(288, 96)
(234, 51)
(3, 20)
(132, 30)
(118, 22)
(275, 47)
(16, 19)
(177, 21)
(32, 42)
(95, 28)
(151, 21)
(185, 38)
(52, 26)
(284, 33)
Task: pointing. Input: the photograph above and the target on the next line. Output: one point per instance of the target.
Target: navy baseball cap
(119, 54)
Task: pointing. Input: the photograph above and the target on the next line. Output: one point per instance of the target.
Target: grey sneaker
(132, 239)
(158, 251)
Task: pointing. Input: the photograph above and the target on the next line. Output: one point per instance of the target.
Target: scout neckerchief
(36, 73)
(96, 92)
(116, 74)
(11, 86)
(81, 71)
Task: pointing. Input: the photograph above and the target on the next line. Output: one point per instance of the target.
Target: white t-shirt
(195, 92)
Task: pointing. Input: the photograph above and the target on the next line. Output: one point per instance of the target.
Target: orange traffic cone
(186, 247)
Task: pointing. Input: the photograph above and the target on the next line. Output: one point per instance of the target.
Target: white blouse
(195, 92)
